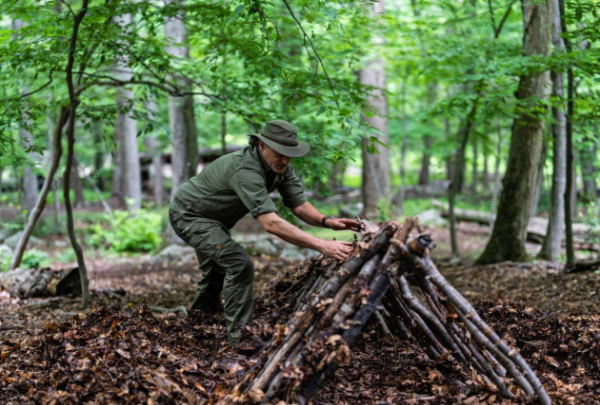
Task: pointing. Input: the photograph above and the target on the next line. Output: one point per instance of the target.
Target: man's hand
(342, 224)
(336, 249)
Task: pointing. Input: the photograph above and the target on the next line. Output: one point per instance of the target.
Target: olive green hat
(282, 137)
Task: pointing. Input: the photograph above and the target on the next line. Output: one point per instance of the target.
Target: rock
(188, 258)
(309, 253)
(292, 254)
(175, 251)
(4, 233)
(351, 210)
(5, 251)
(14, 239)
(61, 243)
(432, 218)
(265, 247)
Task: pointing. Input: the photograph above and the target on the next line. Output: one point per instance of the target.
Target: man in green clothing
(207, 206)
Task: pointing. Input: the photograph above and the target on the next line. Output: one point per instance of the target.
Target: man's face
(276, 161)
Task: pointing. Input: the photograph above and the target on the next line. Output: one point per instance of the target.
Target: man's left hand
(342, 224)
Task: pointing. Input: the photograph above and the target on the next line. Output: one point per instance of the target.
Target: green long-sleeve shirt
(233, 185)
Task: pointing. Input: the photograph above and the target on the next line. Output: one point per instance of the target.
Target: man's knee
(237, 262)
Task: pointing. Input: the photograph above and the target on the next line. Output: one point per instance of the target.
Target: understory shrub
(128, 231)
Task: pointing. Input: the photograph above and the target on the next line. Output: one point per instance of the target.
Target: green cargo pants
(225, 266)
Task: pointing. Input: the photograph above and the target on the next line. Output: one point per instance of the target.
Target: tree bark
(474, 172)
(156, 172)
(182, 121)
(551, 247)
(99, 155)
(588, 158)
(508, 237)
(77, 184)
(30, 183)
(70, 133)
(376, 167)
(32, 283)
(127, 128)
(34, 215)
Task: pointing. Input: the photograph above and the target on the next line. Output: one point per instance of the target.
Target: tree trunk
(127, 128)
(32, 283)
(551, 248)
(508, 237)
(34, 215)
(486, 172)
(539, 182)
(99, 155)
(117, 179)
(474, 166)
(156, 172)
(376, 167)
(182, 119)
(588, 158)
(77, 184)
(497, 181)
(30, 183)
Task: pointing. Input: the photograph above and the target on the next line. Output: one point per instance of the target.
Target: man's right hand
(336, 249)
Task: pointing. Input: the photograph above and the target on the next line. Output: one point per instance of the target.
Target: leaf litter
(120, 352)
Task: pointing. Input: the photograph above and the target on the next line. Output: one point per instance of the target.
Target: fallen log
(45, 282)
(335, 305)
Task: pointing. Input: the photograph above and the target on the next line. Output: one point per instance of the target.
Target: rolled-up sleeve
(291, 189)
(251, 187)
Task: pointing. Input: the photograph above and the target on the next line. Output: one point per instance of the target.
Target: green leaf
(239, 9)
(321, 110)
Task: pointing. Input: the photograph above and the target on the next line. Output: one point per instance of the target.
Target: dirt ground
(124, 350)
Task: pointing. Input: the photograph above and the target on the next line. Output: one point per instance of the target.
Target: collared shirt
(234, 185)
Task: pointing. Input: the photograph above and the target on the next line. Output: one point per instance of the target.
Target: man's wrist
(324, 219)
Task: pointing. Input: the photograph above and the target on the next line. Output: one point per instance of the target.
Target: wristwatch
(325, 219)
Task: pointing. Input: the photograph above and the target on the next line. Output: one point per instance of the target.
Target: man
(207, 206)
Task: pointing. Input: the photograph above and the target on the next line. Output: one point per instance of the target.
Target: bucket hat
(282, 137)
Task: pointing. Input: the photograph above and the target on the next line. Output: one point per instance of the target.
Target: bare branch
(315, 51)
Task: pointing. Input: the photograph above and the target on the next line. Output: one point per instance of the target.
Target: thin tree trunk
(497, 178)
(30, 182)
(474, 167)
(486, 172)
(569, 134)
(99, 155)
(117, 179)
(403, 149)
(539, 183)
(551, 246)
(376, 167)
(35, 213)
(181, 109)
(127, 127)
(70, 133)
(77, 184)
(589, 172)
(51, 147)
(156, 167)
(508, 237)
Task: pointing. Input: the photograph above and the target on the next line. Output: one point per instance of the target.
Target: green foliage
(34, 259)
(128, 232)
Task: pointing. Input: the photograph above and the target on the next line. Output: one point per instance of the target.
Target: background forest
(478, 116)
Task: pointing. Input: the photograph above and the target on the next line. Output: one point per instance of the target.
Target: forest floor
(120, 351)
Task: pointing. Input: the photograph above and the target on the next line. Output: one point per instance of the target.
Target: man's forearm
(288, 232)
(309, 214)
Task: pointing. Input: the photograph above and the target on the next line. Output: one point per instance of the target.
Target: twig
(180, 308)
(315, 51)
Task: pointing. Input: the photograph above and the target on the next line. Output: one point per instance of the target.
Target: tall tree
(182, 121)
(376, 166)
(126, 129)
(554, 235)
(30, 183)
(508, 237)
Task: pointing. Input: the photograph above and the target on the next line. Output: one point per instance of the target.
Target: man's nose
(285, 160)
